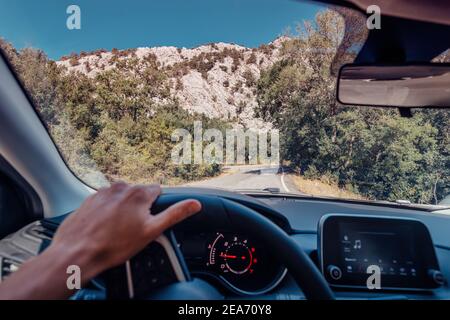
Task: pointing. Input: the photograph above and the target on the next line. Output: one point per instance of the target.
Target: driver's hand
(114, 224)
(108, 229)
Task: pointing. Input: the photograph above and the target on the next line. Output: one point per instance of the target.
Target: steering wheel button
(150, 264)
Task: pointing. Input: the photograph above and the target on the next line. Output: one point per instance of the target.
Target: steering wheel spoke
(159, 264)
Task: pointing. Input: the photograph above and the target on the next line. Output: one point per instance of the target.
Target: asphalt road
(251, 177)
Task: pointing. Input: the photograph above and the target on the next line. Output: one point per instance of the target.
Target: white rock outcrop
(226, 91)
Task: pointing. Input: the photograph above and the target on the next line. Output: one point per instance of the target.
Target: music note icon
(357, 244)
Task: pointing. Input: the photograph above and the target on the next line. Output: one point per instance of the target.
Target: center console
(354, 247)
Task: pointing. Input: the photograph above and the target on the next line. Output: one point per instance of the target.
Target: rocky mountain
(218, 79)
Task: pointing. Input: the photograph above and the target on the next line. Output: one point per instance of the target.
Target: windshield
(227, 94)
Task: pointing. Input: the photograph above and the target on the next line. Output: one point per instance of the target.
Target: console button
(334, 272)
(436, 276)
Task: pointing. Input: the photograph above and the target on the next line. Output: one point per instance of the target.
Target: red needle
(228, 257)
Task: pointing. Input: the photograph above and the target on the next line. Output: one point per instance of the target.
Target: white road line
(282, 181)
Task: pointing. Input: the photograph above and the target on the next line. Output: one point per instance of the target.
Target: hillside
(218, 80)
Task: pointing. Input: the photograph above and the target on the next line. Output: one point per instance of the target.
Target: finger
(119, 186)
(153, 192)
(174, 214)
(114, 190)
(143, 194)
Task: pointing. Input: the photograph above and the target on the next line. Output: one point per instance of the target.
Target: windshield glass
(229, 94)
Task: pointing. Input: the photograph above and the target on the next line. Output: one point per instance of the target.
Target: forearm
(45, 276)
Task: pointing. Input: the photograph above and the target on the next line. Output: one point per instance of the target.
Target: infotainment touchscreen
(351, 248)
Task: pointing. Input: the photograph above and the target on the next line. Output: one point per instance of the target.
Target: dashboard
(350, 248)
(409, 246)
(305, 217)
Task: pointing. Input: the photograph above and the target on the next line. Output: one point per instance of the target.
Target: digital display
(391, 250)
(400, 249)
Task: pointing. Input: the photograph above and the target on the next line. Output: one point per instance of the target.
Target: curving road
(251, 177)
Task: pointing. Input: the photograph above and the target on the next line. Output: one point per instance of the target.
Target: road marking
(282, 181)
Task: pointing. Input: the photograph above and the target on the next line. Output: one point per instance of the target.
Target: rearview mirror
(409, 86)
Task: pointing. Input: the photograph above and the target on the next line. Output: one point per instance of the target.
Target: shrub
(250, 79)
(74, 61)
(179, 86)
(252, 59)
(237, 86)
(88, 67)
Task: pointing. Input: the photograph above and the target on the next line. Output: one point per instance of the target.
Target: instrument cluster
(238, 262)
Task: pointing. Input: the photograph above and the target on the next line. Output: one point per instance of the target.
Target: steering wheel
(173, 281)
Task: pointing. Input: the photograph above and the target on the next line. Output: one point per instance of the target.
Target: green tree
(374, 151)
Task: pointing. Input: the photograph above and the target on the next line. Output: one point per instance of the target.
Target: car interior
(257, 244)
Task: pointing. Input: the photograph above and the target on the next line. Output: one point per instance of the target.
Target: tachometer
(232, 254)
(240, 263)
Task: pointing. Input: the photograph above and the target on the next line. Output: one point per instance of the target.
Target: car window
(244, 99)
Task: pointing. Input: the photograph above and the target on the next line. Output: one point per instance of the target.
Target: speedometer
(242, 264)
(233, 255)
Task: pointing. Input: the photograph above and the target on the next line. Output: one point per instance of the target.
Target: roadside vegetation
(323, 188)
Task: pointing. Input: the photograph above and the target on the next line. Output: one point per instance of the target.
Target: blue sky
(133, 23)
